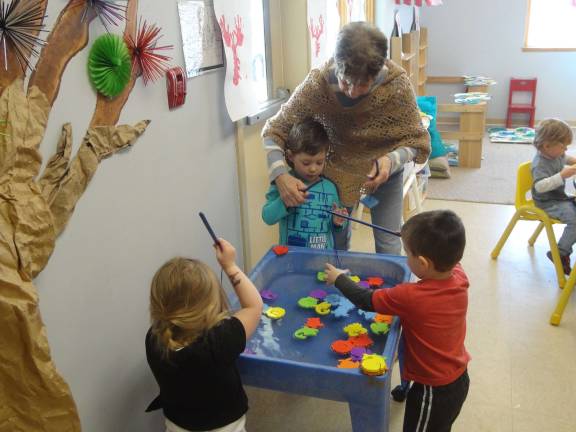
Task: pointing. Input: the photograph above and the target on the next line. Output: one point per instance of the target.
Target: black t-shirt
(200, 387)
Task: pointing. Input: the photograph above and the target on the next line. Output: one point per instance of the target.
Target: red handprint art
(233, 40)
(316, 32)
(350, 7)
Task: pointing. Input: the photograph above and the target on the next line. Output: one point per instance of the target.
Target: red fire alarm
(176, 86)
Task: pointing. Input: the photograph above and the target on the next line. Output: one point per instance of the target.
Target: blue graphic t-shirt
(308, 225)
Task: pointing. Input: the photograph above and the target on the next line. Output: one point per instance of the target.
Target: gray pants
(564, 211)
(388, 214)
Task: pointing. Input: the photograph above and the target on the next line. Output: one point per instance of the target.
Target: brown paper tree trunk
(34, 209)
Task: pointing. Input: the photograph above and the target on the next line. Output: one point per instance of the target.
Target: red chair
(527, 85)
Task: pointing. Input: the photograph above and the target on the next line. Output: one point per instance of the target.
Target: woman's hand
(332, 273)
(379, 174)
(338, 221)
(225, 254)
(291, 190)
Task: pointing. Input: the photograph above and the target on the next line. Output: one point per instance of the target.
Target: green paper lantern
(109, 65)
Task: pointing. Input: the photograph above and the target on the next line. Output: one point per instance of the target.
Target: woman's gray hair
(361, 51)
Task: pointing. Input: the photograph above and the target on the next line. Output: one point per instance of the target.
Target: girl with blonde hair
(194, 341)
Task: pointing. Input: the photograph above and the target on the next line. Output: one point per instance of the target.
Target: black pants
(434, 409)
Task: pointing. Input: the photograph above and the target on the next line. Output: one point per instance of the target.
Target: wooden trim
(370, 11)
(462, 108)
(501, 122)
(455, 135)
(445, 80)
(531, 49)
(343, 15)
(527, 22)
(526, 48)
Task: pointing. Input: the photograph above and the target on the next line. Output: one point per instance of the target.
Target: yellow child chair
(564, 297)
(527, 210)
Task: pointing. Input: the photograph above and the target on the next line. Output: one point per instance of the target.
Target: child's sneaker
(564, 259)
(399, 393)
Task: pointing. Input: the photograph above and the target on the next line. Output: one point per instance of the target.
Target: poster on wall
(241, 23)
(323, 26)
(201, 38)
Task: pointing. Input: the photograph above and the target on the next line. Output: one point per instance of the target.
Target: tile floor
(523, 370)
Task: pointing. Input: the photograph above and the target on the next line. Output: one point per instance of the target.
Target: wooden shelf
(422, 61)
(445, 80)
(405, 51)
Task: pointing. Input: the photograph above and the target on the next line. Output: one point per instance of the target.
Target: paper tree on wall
(35, 208)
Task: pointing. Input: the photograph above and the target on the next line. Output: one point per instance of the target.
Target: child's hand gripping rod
(378, 227)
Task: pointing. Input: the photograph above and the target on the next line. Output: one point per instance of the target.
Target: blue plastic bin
(276, 360)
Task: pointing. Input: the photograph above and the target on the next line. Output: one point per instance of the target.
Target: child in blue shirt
(308, 225)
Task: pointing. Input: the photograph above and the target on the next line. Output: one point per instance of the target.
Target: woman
(367, 106)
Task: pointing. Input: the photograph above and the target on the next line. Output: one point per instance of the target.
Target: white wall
(140, 210)
(485, 38)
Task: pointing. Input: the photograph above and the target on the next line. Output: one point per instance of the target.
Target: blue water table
(281, 356)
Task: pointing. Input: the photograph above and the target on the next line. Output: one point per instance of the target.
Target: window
(258, 42)
(550, 25)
